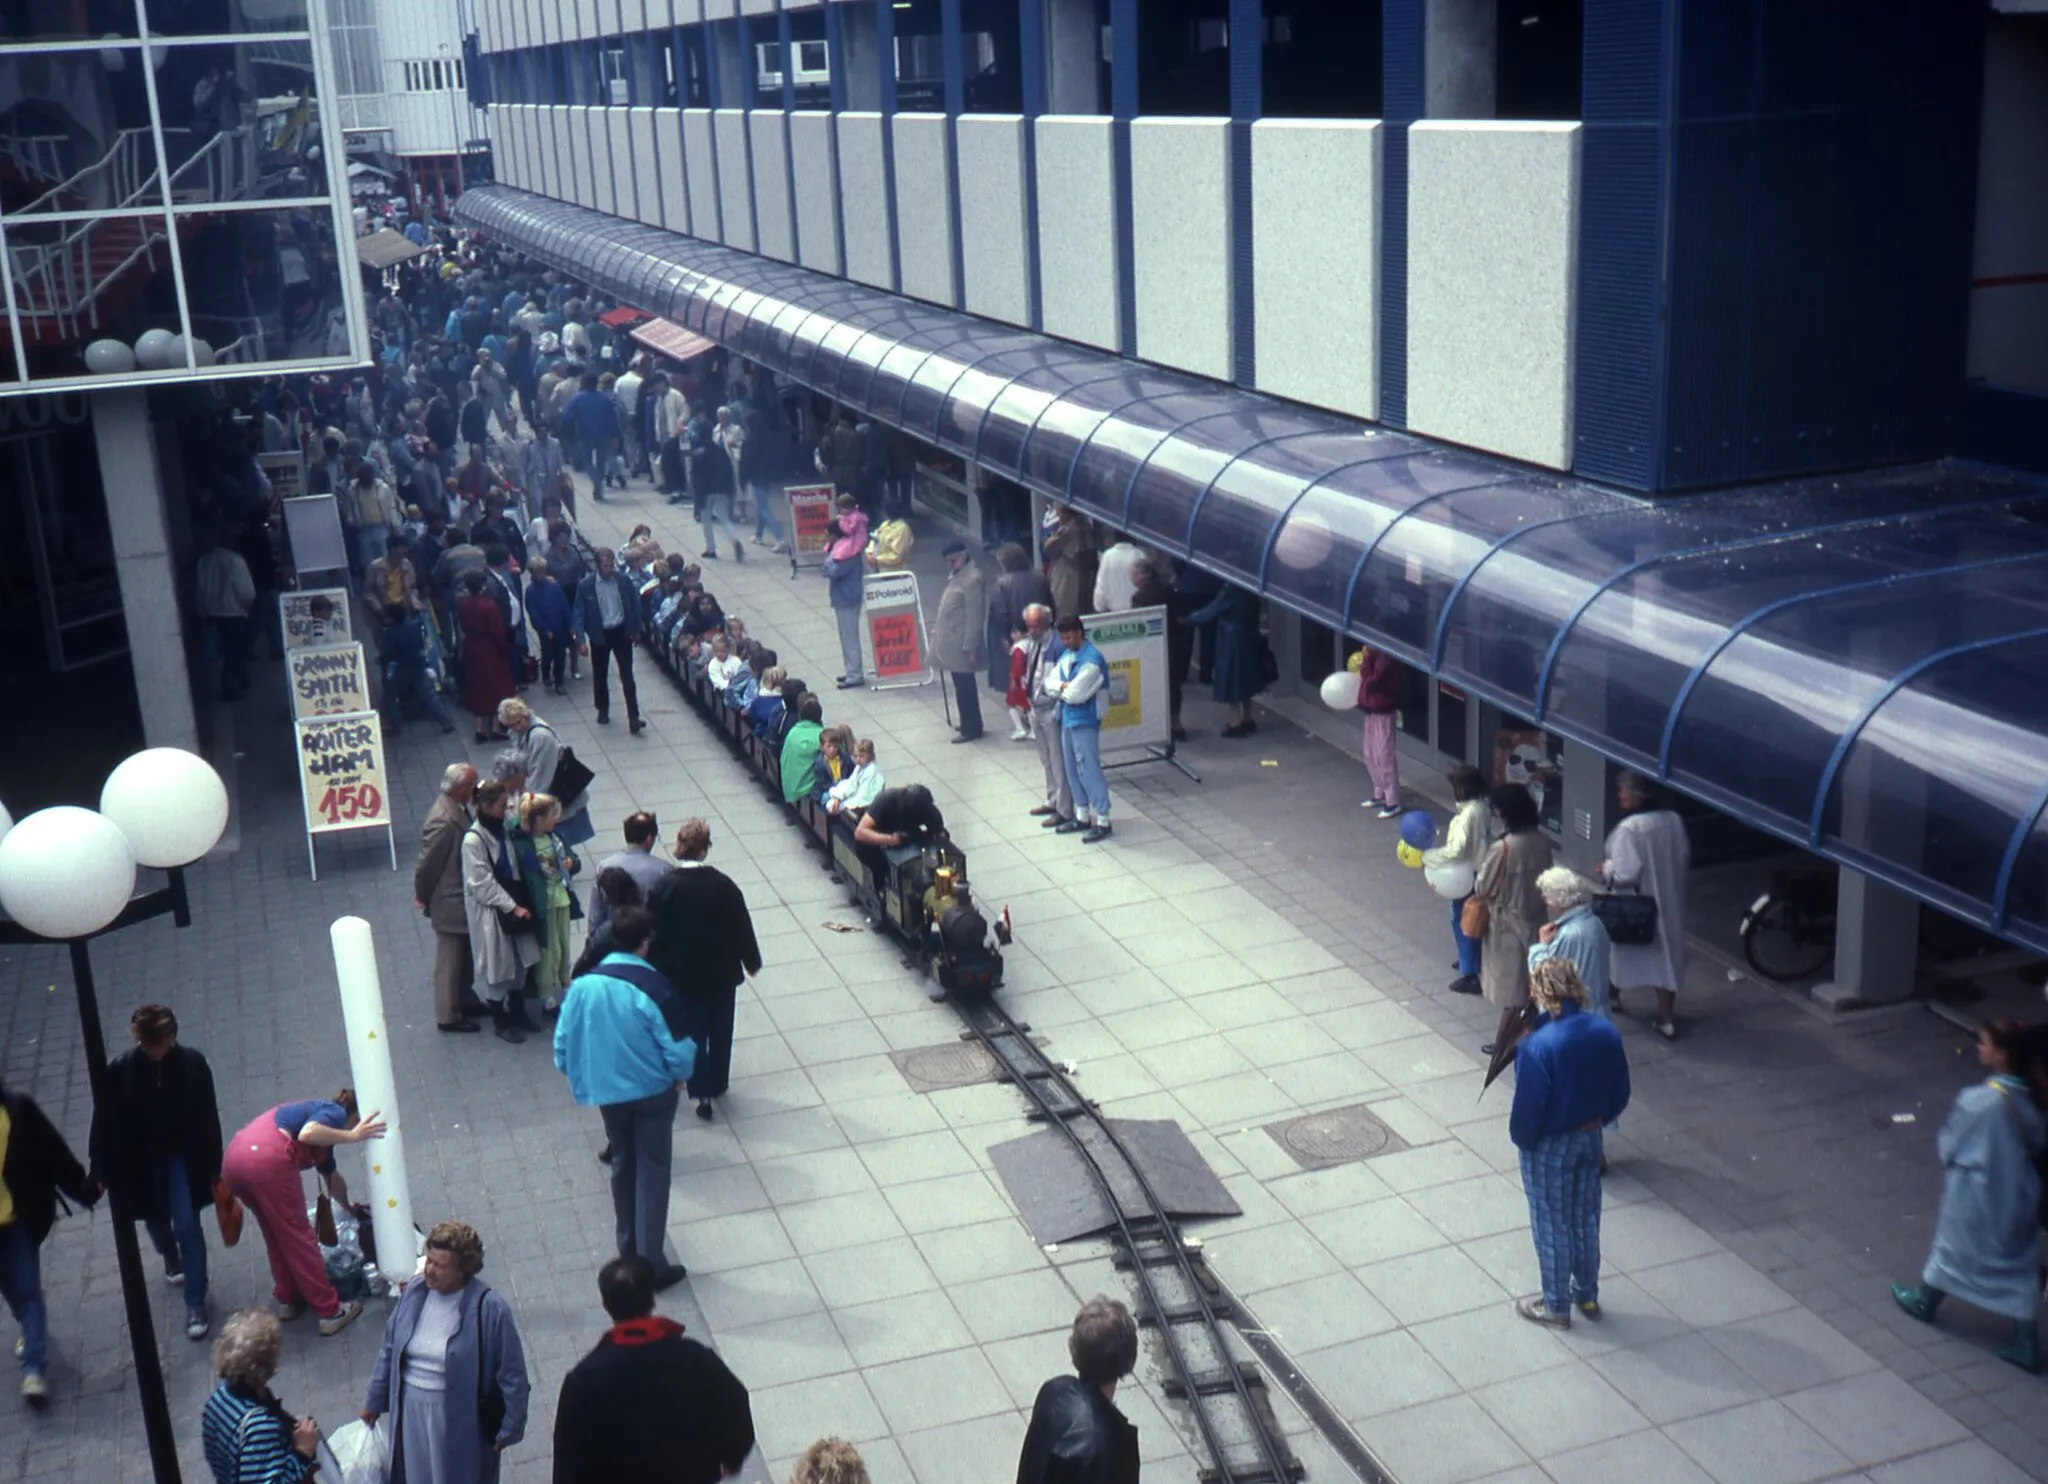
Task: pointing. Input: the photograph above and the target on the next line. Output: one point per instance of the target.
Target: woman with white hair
(246, 1431)
(1574, 934)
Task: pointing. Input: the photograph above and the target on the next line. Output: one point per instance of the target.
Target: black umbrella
(1514, 1025)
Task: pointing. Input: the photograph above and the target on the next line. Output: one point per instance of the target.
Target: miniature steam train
(917, 893)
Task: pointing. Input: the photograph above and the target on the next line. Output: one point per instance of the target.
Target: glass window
(1234, 528)
(241, 123)
(266, 286)
(78, 283)
(1016, 409)
(224, 17)
(66, 155)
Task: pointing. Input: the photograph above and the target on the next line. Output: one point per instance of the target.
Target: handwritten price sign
(315, 618)
(341, 772)
(327, 682)
(899, 649)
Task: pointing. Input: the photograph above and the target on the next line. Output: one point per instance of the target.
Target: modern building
(404, 101)
(171, 218)
(1660, 382)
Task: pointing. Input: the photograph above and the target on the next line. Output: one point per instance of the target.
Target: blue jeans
(371, 543)
(21, 1284)
(1081, 747)
(718, 512)
(765, 519)
(642, 1134)
(1468, 948)
(179, 1238)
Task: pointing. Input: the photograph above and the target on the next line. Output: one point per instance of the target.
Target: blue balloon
(1418, 829)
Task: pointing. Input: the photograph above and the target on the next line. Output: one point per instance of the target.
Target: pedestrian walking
(502, 933)
(608, 621)
(1379, 697)
(262, 1168)
(226, 594)
(1464, 844)
(540, 749)
(614, 889)
(403, 648)
(637, 860)
(486, 654)
(1506, 909)
(1041, 671)
(547, 606)
(247, 1435)
(35, 1167)
(621, 1058)
(1987, 1236)
(1649, 852)
(156, 1145)
(437, 892)
(958, 635)
(1076, 1432)
(646, 1405)
(1078, 678)
(451, 1370)
(1574, 933)
(1571, 1077)
(704, 945)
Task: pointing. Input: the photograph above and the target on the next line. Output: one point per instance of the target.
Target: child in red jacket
(1014, 697)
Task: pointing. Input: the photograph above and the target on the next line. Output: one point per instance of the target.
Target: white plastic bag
(361, 1453)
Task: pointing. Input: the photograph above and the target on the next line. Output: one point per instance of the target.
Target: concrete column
(863, 64)
(1073, 58)
(1459, 58)
(1588, 804)
(734, 61)
(1283, 630)
(146, 565)
(1877, 944)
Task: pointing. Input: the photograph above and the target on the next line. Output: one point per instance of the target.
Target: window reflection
(74, 132)
(80, 282)
(266, 286)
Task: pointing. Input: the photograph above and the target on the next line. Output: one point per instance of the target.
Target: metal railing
(116, 181)
(37, 156)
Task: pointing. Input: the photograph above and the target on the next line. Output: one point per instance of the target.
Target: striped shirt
(257, 1450)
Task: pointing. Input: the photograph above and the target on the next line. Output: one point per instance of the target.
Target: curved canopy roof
(1858, 664)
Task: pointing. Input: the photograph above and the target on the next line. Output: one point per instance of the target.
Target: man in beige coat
(959, 633)
(437, 891)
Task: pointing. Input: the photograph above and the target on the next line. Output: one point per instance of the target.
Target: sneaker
(704, 1109)
(35, 1390)
(197, 1324)
(1589, 1309)
(1667, 1029)
(1020, 736)
(286, 1313)
(335, 1323)
(637, 725)
(1070, 827)
(174, 1272)
(1097, 835)
(711, 555)
(1389, 811)
(781, 548)
(1536, 1311)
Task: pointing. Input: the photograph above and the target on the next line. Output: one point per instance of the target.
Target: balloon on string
(1418, 829)
(1453, 881)
(1340, 691)
(1408, 856)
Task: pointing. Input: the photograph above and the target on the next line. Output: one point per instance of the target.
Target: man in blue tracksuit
(1571, 1077)
(621, 1058)
(1078, 676)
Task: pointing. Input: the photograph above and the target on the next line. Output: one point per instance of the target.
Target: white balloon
(153, 350)
(1452, 881)
(109, 358)
(65, 872)
(170, 804)
(1340, 691)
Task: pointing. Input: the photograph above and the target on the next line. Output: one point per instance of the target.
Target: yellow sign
(327, 682)
(341, 772)
(1126, 706)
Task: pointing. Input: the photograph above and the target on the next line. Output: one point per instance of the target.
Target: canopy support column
(1877, 944)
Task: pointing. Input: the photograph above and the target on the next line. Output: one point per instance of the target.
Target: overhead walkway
(1858, 664)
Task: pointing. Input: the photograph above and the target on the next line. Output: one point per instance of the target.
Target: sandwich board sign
(342, 780)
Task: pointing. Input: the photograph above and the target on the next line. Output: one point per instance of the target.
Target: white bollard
(369, 1055)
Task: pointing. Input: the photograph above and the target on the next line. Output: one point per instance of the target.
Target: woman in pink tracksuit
(262, 1169)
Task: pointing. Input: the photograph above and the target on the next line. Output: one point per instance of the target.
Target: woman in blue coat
(1240, 653)
(451, 1371)
(1988, 1233)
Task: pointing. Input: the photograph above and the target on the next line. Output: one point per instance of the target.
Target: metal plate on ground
(1059, 1200)
(953, 1064)
(1336, 1136)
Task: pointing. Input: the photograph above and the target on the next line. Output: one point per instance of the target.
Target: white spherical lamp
(170, 804)
(153, 350)
(6, 821)
(65, 872)
(109, 358)
(202, 353)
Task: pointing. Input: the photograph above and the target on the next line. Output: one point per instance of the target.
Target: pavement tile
(847, 1276)
(916, 1157)
(1681, 1377)
(950, 1201)
(934, 1390)
(724, 1243)
(1558, 1409)
(1481, 1206)
(1637, 1458)
(1714, 1290)
(1479, 1349)
(1002, 1308)
(1374, 1232)
(1376, 1374)
(963, 1253)
(1318, 1313)
(1790, 1350)
(795, 1178)
(797, 1348)
(840, 1221)
(1762, 1443)
(1269, 1257)
(788, 1418)
(899, 1328)
(1429, 1285)
(1963, 1463)
(963, 1450)
(1875, 1418)
(1450, 1441)
(1313, 1192)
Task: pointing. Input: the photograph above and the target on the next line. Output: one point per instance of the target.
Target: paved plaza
(1244, 950)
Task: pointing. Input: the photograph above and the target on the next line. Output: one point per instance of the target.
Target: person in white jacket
(1077, 680)
(1464, 844)
(853, 793)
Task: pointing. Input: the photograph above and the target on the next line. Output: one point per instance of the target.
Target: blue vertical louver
(1401, 30)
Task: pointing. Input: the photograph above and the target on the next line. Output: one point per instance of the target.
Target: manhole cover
(936, 1068)
(1316, 1141)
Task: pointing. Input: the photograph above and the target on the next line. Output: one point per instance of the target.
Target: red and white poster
(810, 517)
(895, 625)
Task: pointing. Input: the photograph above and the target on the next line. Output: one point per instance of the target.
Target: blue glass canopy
(1857, 664)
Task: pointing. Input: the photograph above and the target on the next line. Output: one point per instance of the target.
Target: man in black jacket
(35, 1164)
(648, 1406)
(704, 943)
(156, 1144)
(1077, 1436)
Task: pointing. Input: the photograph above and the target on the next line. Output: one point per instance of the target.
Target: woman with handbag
(502, 934)
(1505, 911)
(1649, 853)
(451, 1371)
(1988, 1233)
(247, 1433)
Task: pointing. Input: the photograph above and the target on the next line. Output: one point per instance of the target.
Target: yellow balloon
(1408, 855)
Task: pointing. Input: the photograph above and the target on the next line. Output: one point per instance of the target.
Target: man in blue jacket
(607, 623)
(1571, 1077)
(620, 1057)
(595, 417)
(1077, 679)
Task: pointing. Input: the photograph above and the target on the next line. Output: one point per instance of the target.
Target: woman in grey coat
(502, 956)
(451, 1370)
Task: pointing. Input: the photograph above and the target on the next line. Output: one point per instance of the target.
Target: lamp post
(67, 875)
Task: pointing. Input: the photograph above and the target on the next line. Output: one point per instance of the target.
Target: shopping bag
(227, 1211)
(358, 1453)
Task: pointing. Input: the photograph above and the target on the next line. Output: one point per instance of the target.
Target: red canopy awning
(665, 337)
(623, 316)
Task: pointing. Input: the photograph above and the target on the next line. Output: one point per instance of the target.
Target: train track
(1181, 1302)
